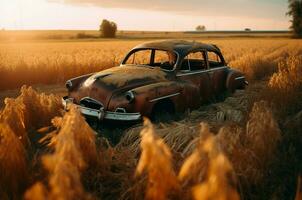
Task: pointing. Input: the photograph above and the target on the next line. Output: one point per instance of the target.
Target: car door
(217, 72)
(193, 73)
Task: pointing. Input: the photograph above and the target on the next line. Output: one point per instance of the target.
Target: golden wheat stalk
(74, 150)
(217, 184)
(208, 169)
(13, 165)
(156, 159)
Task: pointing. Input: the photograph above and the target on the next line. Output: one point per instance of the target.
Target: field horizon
(30, 35)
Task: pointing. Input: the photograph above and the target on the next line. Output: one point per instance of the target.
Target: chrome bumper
(101, 114)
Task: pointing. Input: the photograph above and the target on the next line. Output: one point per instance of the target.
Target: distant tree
(247, 29)
(200, 28)
(295, 11)
(108, 29)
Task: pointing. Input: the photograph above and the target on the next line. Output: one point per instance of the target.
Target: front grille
(91, 103)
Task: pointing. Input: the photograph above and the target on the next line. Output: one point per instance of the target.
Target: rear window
(214, 59)
(194, 61)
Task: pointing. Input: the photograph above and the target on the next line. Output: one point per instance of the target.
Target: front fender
(147, 96)
(74, 83)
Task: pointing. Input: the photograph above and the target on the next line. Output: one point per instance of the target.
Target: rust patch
(121, 76)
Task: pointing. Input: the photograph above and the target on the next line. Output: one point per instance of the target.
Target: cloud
(248, 8)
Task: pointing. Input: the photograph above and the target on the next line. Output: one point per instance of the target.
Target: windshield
(153, 58)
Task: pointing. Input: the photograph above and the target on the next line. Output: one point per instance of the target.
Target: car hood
(102, 85)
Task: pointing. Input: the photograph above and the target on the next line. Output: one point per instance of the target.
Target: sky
(152, 15)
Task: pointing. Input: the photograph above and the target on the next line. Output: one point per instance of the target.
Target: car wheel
(163, 112)
(223, 95)
(231, 83)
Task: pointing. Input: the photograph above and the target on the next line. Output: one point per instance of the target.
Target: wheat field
(247, 147)
(50, 62)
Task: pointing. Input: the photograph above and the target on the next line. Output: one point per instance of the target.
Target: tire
(231, 83)
(163, 111)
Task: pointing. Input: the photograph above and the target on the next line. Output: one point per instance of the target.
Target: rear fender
(235, 80)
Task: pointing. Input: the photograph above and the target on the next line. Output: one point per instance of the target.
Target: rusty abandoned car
(165, 76)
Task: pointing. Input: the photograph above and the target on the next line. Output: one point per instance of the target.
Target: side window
(214, 59)
(164, 59)
(141, 57)
(194, 61)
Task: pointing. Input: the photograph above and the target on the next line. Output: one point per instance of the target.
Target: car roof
(182, 47)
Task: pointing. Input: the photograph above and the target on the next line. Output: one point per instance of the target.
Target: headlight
(130, 96)
(68, 84)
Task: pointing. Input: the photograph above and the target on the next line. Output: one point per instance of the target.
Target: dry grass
(207, 171)
(286, 84)
(55, 62)
(18, 119)
(216, 185)
(74, 150)
(204, 160)
(156, 160)
(13, 165)
(249, 152)
(28, 112)
(49, 62)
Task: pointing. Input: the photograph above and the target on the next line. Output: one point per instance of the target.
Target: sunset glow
(141, 15)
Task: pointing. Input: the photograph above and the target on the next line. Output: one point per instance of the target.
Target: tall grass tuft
(209, 170)
(37, 192)
(74, 150)
(13, 164)
(19, 118)
(252, 150)
(28, 112)
(217, 184)
(195, 166)
(262, 132)
(286, 85)
(156, 159)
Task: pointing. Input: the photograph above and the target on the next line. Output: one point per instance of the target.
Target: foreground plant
(156, 159)
(18, 120)
(210, 170)
(13, 164)
(28, 112)
(75, 149)
(285, 86)
(206, 170)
